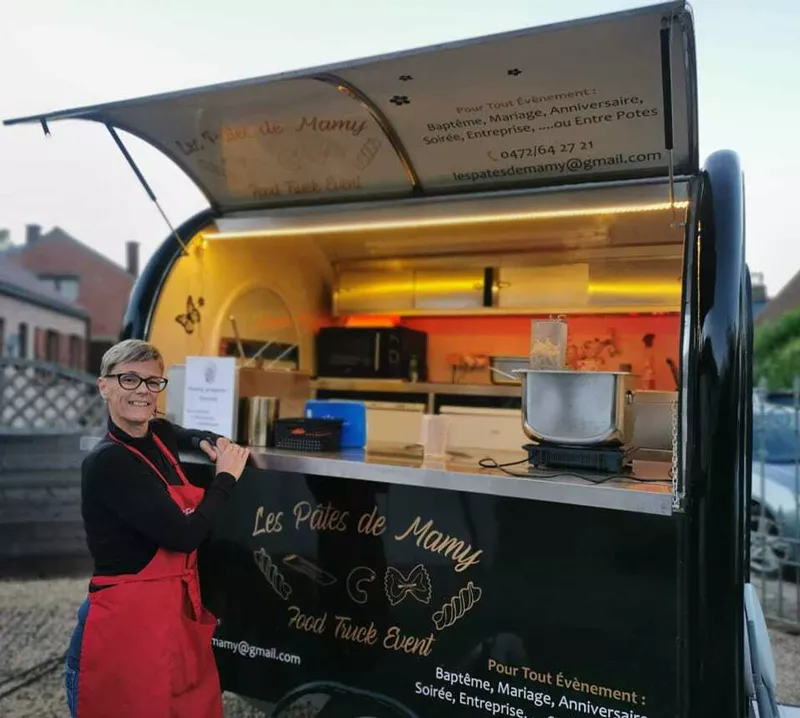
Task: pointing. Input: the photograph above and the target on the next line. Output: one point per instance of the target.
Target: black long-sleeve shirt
(127, 511)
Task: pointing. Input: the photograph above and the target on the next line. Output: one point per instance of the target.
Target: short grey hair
(129, 351)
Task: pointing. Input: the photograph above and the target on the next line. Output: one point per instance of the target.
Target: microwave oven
(372, 353)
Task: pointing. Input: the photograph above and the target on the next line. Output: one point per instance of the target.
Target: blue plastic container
(352, 413)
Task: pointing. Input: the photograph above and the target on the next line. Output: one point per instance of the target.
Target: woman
(142, 646)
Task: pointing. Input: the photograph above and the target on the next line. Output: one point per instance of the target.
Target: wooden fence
(43, 397)
(40, 500)
(45, 412)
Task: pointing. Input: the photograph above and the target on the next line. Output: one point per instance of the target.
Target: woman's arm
(130, 490)
(189, 439)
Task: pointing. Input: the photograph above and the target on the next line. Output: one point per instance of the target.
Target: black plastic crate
(304, 434)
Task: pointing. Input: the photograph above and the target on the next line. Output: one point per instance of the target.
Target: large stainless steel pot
(577, 408)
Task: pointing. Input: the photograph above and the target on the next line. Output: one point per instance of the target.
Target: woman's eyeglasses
(129, 382)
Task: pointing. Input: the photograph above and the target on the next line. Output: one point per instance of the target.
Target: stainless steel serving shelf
(396, 464)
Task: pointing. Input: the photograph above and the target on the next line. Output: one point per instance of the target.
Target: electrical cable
(489, 463)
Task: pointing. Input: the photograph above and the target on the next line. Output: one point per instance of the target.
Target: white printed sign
(209, 401)
(573, 102)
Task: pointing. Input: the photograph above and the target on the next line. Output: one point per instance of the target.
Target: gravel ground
(36, 621)
(37, 617)
(786, 648)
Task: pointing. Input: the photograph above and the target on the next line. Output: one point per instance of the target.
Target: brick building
(36, 322)
(81, 275)
(760, 296)
(785, 301)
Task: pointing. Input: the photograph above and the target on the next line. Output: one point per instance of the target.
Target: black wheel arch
(146, 291)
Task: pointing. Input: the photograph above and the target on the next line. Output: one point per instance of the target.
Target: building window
(51, 352)
(22, 341)
(67, 286)
(76, 352)
(38, 344)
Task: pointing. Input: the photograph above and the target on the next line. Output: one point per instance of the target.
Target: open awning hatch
(612, 97)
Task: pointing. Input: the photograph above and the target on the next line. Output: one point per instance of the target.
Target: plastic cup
(548, 344)
(434, 435)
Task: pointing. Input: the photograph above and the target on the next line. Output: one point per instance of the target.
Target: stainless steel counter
(401, 465)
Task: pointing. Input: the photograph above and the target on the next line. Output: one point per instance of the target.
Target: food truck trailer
(384, 238)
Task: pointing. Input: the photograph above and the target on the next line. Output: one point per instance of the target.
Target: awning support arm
(383, 122)
(666, 89)
(146, 186)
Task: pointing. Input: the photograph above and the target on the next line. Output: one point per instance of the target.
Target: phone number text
(565, 148)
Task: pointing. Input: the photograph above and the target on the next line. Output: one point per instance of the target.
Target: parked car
(775, 500)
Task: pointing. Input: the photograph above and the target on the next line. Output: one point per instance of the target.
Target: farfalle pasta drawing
(457, 606)
(398, 586)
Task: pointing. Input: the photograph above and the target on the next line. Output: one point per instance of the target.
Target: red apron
(146, 650)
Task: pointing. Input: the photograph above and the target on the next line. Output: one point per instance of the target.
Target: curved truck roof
(606, 98)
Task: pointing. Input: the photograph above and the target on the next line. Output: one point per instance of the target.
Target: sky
(57, 54)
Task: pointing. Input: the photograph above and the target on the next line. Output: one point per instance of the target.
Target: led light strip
(373, 226)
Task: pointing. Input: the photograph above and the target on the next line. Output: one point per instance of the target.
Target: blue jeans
(73, 663)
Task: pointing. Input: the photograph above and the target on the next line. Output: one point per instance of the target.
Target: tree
(776, 351)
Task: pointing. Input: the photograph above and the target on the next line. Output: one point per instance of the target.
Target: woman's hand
(213, 452)
(232, 459)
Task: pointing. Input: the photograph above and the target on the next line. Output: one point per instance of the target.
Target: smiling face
(131, 409)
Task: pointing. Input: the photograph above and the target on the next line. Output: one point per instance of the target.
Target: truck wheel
(768, 549)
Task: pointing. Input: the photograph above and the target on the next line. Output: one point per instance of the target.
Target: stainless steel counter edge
(644, 497)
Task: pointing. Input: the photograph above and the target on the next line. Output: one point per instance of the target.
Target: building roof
(19, 283)
(783, 302)
(57, 234)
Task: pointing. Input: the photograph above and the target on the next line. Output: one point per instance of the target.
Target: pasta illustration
(308, 569)
(274, 577)
(457, 606)
(359, 575)
(417, 585)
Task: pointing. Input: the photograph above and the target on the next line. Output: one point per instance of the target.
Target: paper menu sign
(209, 399)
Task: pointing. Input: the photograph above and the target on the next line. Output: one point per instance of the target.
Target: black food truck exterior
(437, 201)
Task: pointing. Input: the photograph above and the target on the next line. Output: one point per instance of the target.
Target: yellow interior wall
(220, 271)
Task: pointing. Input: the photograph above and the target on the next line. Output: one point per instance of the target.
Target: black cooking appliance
(372, 353)
(602, 459)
